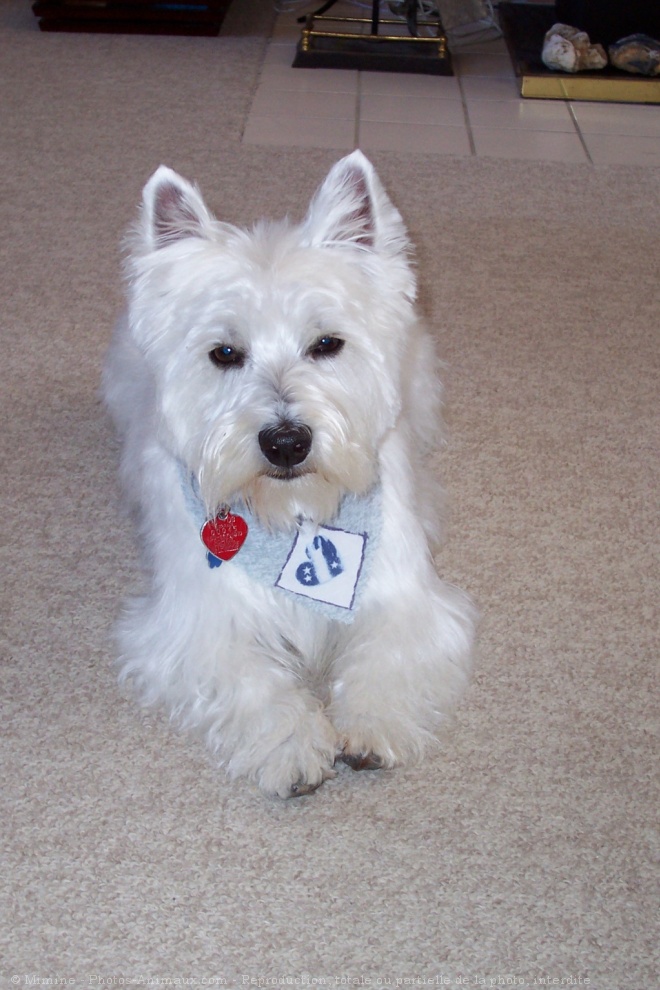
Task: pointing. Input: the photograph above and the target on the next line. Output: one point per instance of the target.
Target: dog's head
(276, 353)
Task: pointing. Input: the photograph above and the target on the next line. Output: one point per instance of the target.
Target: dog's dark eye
(326, 347)
(225, 356)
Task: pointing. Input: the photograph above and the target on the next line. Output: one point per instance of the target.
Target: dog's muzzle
(286, 445)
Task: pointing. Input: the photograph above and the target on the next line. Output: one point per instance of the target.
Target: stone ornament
(569, 50)
(638, 53)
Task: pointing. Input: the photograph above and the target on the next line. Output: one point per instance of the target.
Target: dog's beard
(228, 467)
(281, 498)
(280, 503)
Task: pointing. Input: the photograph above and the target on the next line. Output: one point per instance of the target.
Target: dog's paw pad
(363, 761)
(302, 761)
(301, 789)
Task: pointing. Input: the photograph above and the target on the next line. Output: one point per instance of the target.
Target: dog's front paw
(302, 762)
(368, 745)
(362, 761)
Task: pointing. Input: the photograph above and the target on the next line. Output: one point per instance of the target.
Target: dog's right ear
(172, 210)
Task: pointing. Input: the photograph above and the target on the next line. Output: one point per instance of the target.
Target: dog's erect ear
(352, 207)
(172, 209)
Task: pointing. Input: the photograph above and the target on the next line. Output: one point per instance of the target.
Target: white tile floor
(478, 111)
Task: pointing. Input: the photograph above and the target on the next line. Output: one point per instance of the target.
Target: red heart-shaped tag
(225, 535)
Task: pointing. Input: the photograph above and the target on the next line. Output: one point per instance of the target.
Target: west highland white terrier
(276, 396)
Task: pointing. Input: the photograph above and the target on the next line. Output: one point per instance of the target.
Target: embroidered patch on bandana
(325, 565)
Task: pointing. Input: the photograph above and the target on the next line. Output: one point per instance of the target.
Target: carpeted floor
(523, 852)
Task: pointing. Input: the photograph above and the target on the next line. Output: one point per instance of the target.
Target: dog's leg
(231, 674)
(267, 725)
(405, 660)
(277, 735)
(400, 674)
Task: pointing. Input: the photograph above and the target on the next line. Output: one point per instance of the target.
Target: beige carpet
(523, 853)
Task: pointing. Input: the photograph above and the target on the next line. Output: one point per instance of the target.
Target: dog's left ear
(351, 207)
(172, 209)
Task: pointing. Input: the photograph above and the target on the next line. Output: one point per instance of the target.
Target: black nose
(286, 445)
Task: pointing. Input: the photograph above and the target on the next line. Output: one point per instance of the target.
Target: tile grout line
(358, 107)
(468, 126)
(579, 132)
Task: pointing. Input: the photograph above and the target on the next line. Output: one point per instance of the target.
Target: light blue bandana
(323, 567)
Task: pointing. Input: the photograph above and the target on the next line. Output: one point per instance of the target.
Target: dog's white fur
(279, 690)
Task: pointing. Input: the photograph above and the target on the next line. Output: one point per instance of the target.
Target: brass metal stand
(358, 43)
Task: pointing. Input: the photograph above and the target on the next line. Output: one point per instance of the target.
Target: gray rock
(637, 53)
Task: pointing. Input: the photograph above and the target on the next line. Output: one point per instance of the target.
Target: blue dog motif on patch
(324, 563)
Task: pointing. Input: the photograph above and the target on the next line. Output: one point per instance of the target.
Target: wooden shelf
(188, 17)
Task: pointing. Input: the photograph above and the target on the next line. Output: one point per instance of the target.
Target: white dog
(276, 395)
